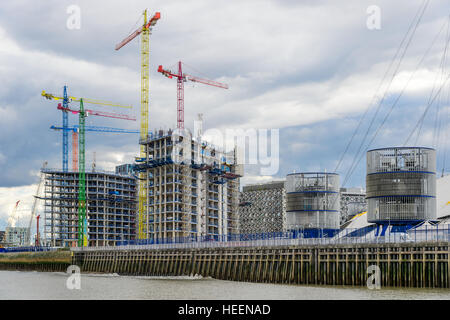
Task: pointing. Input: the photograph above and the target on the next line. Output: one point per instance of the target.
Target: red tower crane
(181, 78)
(98, 113)
(38, 242)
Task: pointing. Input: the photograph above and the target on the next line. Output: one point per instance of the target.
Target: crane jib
(129, 38)
(151, 23)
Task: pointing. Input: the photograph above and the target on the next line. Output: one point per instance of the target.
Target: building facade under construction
(192, 188)
(262, 208)
(111, 208)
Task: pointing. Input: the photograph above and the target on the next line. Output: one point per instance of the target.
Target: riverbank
(406, 265)
(36, 261)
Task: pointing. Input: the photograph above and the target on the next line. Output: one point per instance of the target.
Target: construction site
(176, 205)
(181, 188)
(192, 188)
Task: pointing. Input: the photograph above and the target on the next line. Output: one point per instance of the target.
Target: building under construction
(263, 208)
(192, 188)
(111, 208)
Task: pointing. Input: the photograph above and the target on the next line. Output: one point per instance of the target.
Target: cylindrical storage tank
(401, 185)
(312, 201)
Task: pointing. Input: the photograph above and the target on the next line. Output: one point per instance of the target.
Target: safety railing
(368, 235)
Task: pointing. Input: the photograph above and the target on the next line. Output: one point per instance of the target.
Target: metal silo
(401, 185)
(313, 203)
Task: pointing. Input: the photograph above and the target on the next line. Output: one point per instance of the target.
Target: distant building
(262, 208)
(353, 201)
(16, 236)
(2, 236)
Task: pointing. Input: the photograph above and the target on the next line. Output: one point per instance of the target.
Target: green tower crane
(82, 114)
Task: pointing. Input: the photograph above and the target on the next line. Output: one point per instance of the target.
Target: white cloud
(8, 199)
(288, 64)
(251, 179)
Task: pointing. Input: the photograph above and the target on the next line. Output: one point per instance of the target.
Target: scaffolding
(193, 187)
(110, 202)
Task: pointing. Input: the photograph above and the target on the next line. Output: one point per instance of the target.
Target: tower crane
(74, 129)
(35, 202)
(65, 120)
(181, 79)
(12, 217)
(82, 114)
(144, 31)
(38, 241)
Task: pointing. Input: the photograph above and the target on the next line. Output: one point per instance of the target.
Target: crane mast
(143, 180)
(35, 202)
(75, 150)
(82, 223)
(180, 98)
(65, 120)
(181, 78)
(144, 31)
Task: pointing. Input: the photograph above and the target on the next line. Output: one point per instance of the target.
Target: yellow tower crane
(144, 30)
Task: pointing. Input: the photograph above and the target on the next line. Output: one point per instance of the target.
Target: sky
(309, 69)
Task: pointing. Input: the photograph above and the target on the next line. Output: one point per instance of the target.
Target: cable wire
(357, 156)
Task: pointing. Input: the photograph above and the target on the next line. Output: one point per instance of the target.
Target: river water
(52, 286)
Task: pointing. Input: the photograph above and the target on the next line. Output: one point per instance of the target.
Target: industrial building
(313, 203)
(263, 208)
(402, 192)
(16, 236)
(353, 201)
(401, 185)
(111, 208)
(192, 187)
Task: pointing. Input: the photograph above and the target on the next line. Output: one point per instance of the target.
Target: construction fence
(371, 234)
